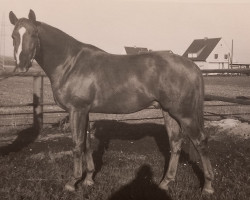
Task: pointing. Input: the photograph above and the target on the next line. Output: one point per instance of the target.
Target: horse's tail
(199, 113)
(200, 105)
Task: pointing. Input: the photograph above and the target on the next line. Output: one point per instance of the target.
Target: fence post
(38, 102)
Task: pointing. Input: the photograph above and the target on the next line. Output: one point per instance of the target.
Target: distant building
(139, 50)
(209, 53)
(135, 50)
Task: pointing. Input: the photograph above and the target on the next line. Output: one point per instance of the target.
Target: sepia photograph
(125, 99)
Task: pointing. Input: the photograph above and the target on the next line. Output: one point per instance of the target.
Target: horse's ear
(32, 16)
(13, 18)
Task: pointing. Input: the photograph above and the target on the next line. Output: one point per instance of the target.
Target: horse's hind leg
(195, 132)
(175, 141)
(200, 144)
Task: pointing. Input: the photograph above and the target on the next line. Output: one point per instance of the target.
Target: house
(209, 53)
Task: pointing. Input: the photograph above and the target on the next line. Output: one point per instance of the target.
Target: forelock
(26, 23)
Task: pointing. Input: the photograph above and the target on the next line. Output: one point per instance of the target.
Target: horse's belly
(122, 104)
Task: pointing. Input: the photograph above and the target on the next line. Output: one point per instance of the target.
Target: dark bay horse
(86, 79)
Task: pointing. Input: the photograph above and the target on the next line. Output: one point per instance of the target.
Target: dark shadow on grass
(24, 138)
(141, 188)
(107, 130)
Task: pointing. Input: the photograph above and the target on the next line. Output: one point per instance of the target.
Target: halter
(37, 46)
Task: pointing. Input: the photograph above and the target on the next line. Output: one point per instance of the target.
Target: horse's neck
(55, 48)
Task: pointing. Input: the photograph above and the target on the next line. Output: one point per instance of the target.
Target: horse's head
(25, 40)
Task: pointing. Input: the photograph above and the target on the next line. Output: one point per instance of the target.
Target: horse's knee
(78, 151)
(175, 144)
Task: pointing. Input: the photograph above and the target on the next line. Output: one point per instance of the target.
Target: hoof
(207, 191)
(88, 182)
(164, 186)
(69, 187)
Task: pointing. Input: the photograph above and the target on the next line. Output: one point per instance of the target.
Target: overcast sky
(155, 24)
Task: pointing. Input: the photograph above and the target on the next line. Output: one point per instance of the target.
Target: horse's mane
(66, 37)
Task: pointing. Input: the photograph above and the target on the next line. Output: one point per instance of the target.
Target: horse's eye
(13, 37)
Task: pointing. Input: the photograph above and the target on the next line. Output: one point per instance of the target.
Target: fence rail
(38, 104)
(238, 100)
(226, 71)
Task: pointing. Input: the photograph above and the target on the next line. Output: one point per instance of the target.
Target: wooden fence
(226, 71)
(38, 92)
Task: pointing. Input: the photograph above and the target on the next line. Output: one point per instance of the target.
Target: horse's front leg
(78, 125)
(90, 167)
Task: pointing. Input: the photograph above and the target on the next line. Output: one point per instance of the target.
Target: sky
(155, 24)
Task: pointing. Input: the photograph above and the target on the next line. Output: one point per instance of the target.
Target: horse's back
(127, 81)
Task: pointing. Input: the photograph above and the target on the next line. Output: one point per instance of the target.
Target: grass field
(130, 156)
(130, 160)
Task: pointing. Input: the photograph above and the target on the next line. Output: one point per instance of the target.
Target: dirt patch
(52, 155)
(230, 127)
(53, 136)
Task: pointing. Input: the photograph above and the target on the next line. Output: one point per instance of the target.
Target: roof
(138, 50)
(135, 50)
(202, 47)
(166, 51)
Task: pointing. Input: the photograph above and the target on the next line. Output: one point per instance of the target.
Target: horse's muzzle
(23, 68)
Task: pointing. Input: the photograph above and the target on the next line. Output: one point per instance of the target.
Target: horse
(87, 79)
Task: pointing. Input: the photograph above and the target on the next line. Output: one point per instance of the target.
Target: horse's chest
(60, 98)
(73, 95)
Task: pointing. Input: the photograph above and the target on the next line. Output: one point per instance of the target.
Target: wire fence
(39, 110)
